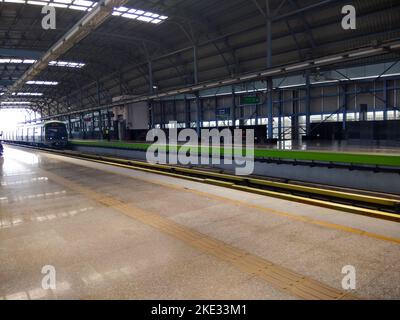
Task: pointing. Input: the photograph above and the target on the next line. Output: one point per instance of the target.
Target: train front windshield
(56, 131)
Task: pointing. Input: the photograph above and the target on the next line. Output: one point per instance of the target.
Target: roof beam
(297, 68)
(91, 21)
(18, 53)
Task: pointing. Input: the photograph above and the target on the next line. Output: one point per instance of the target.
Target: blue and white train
(48, 133)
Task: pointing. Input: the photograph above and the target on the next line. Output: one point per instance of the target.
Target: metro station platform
(117, 233)
(327, 153)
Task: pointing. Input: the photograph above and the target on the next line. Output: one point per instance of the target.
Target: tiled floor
(98, 252)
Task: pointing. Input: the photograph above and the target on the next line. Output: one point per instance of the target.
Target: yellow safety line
(318, 191)
(320, 203)
(143, 166)
(290, 216)
(275, 275)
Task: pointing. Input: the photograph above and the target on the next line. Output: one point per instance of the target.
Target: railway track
(353, 201)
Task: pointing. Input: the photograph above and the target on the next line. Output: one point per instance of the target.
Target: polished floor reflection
(113, 233)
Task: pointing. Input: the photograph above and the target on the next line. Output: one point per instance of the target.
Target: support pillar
(295, 116)
(70, 126)
(308, 104)
(233, 108)
(386, 99)
(151, 79)
(187, 112)
(101, 130)
(344, 108)
(151, 114)
(280, 137)
(270, 128)
(93, 132)
(195, 65)
(198, 114)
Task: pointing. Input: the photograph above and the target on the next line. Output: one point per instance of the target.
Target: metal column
(344, 108)
(280, 116)
(151, 114)
(233, 108)
(70, 126)
(187, 112)
(93, 125)
(195, 65)
(198, 113)
(386, 99)
(151, 80)
(308, 104)
(270, 129)
(101, 126)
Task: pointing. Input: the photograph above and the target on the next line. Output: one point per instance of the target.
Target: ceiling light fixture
(86, 5)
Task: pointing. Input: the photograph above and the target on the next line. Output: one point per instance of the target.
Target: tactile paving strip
(277, 276)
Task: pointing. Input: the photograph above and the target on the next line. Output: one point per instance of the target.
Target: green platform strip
(343, 157)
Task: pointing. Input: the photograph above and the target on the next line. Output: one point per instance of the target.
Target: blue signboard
(223, 112)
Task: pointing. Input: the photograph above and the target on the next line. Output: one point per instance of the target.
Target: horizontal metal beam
(6, 82)
(18, 53)
(296, 68)
(79, 31)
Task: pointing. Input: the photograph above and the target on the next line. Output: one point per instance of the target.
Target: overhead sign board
(223, 112)
(249, 100)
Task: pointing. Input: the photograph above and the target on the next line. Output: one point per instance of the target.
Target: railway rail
(353, 201)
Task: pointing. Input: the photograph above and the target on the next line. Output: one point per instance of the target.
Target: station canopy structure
(155, 48)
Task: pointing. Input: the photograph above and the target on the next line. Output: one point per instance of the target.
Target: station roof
(230, 37)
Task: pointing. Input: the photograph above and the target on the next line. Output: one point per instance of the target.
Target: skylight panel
(44, 83)
(37, 3)
(66, 64)
(15, 102)
(15, 1)
(58, 5)
(87, 5)
(145, 19)
(83, 3)
(130, 16)
(141, 15)
(37, 94)
(121, 9)
(77, 8)
(75, 65)
(51, 63)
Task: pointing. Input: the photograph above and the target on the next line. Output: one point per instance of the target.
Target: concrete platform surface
(115, 233)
